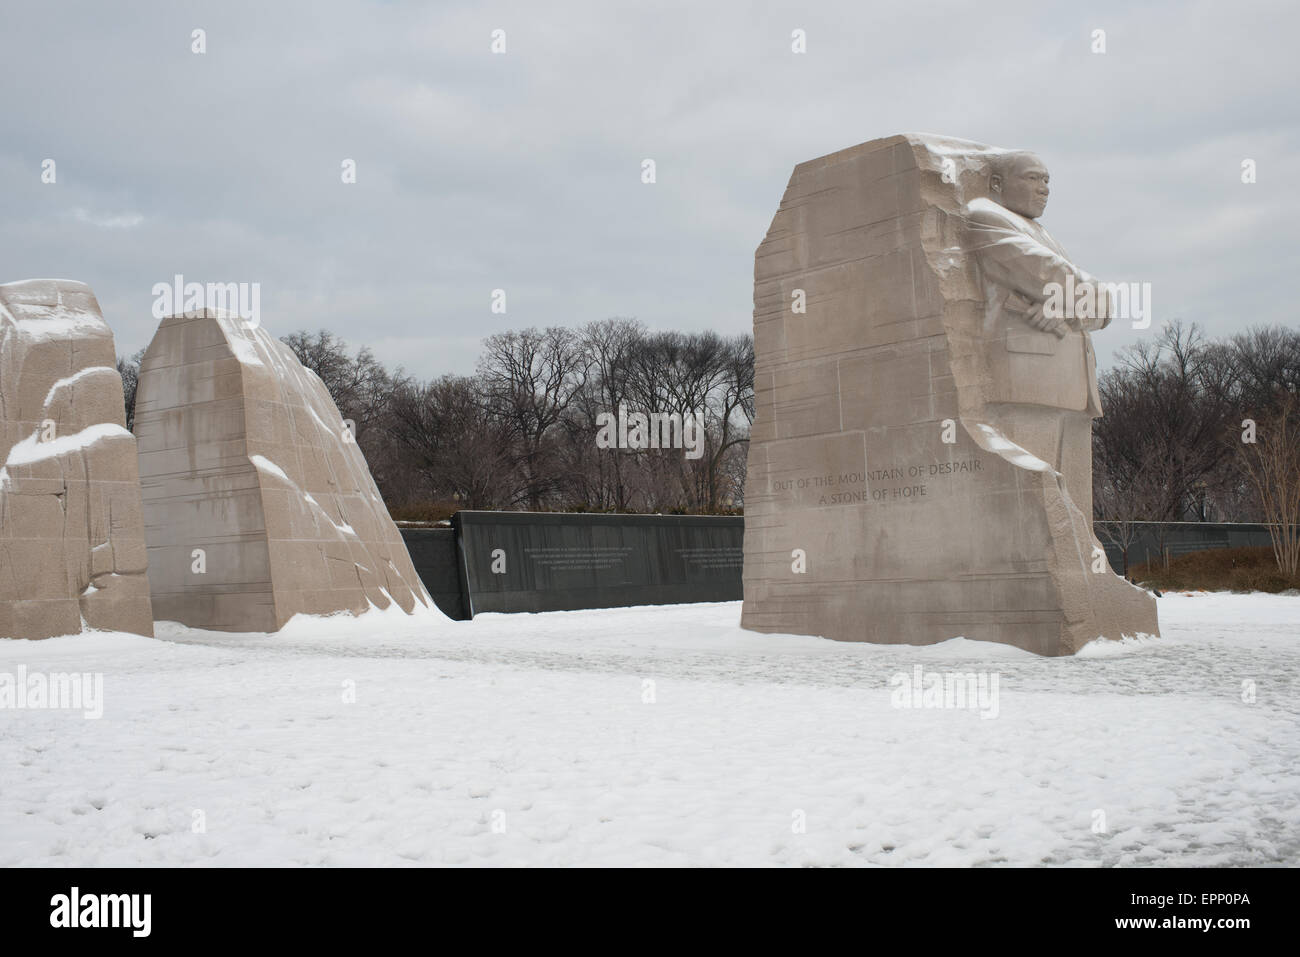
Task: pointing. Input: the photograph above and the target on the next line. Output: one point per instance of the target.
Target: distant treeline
(1202, 430)
(521, 433)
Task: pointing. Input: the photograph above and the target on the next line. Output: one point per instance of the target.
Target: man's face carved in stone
(1022, 185)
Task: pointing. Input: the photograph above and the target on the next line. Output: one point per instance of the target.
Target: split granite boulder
(258, 503)
(72, 551)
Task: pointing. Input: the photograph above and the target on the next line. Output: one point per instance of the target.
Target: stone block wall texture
(72, 550)
(257, 503)
(906, 539)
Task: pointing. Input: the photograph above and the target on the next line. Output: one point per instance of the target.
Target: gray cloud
(522, 171)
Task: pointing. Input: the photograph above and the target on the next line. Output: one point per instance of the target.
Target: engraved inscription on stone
(898, 483)
(578, 558)
(713, 556)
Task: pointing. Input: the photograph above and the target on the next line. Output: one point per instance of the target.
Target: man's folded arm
(1020, 262)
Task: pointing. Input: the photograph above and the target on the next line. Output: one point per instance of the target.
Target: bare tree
(1265, 364)
(1124, 502)
(461, 452)
(1166, 407)
(609, 346)
(129, 369)
(1272, 461)
(528, 380)
(361, 388)
(359, 384)
(734, 415)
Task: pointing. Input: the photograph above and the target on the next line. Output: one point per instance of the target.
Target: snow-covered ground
(657, 736)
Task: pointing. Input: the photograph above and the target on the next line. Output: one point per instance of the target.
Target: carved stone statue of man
(1043, 379)
(920, 460)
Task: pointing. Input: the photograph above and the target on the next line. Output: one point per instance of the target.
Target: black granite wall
(434, 555)
(544, 561)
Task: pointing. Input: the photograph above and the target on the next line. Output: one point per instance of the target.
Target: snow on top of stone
(252, 344)
(60, 327)
(319, 421)
(245, 351)
(995, 441)
(344, 529)
(31, 449)
(17, 284)
(242, 336)
(952, 145)
(247, 339)
(71, 380)
(263, 464)
(40, 310)
(209, 312)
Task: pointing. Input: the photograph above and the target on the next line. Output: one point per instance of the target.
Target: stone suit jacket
(1017, 259)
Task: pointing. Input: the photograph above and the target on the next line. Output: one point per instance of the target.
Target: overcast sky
(521, 171)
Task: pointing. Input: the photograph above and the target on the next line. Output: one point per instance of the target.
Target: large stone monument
(920, 464)
(72, 551)
(258, 504)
